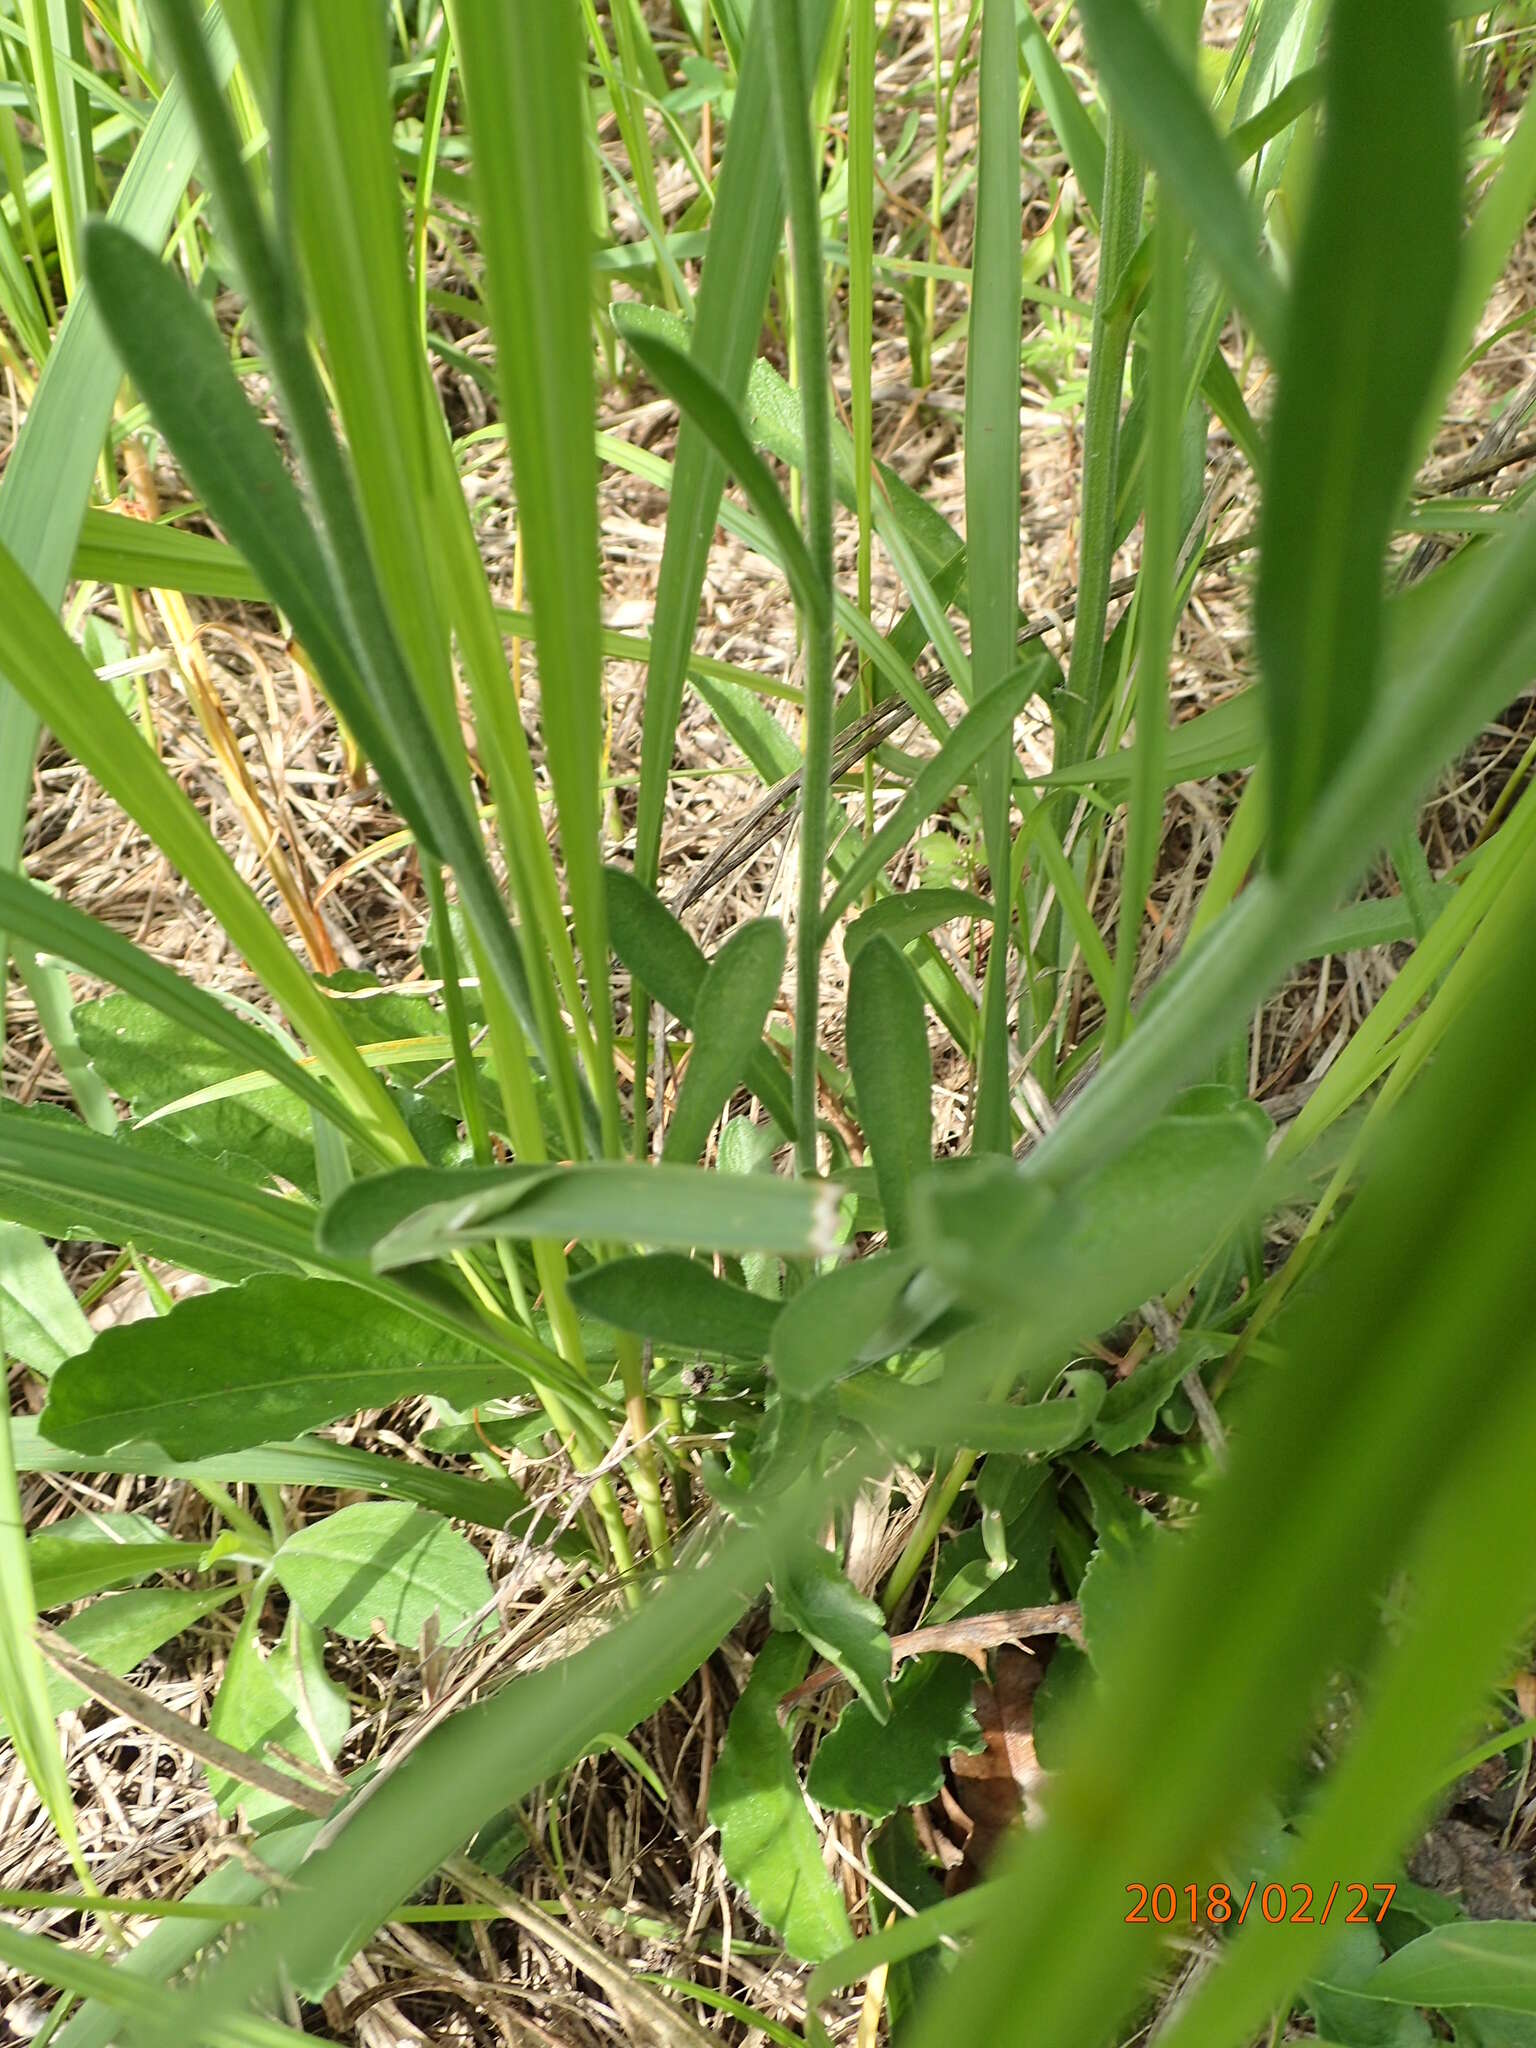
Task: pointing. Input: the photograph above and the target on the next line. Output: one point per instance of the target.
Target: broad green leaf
(812, 1593)
(1115, 1238)
(825, 1330)
(666, 960)
(146, 1058)
(679, 1303)
(401, 1219)
(1155, 95)
(378, 1562)
(1375, 278)
(1131, 1406)
(766, 1838)
(739, 988)
(1036, 1429)
(887, 1034)
(862, 1767)
(41, 1323)
(247, 1365)
(1397, 1434)
(1487, 1962)
(484, 1503)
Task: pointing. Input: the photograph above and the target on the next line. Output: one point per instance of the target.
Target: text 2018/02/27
(1216, 1904)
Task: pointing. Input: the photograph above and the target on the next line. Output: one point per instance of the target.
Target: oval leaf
(892, 1074)
(255, 1364)
(379, 1561)
(734, 999)
(766, 1837)
(677, 1302)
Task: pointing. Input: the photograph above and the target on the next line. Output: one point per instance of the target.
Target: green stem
(802, 187)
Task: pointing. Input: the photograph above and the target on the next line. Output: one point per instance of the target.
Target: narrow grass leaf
(892, 1067)
(1374, 285)
(992, 516)
(483, 1503)
(935, 780)
(697, 395)
(679, 1303)
(523, 76)
(728, 316)
(739, 988)
(1155, 94)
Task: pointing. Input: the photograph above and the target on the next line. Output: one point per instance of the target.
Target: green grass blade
(1154, 94)
(43, 922)
(48, 477)
(1374, 284)
(24, 1706)
(52, 41)
(1120, 235)
(523, 77)
(728, 318)
(792, 70)
(938, 777)
(52, 675)
(992, 516)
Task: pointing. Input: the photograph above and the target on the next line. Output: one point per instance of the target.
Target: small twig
(145, 1712)
(965, 1638)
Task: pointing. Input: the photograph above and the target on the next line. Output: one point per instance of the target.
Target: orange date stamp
(1218, 1905)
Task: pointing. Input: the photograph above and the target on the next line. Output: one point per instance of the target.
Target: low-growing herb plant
(673, 1208)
